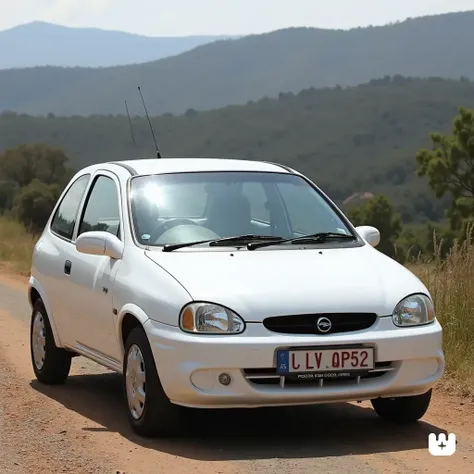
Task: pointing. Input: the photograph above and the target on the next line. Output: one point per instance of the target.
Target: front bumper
(409, 361)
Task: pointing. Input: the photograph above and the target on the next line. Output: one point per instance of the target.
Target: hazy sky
(183, 17)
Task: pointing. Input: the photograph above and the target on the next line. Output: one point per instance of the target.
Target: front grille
(308, 323)
(269, 376)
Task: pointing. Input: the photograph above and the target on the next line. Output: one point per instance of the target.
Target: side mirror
(100, 243)
(370, 234)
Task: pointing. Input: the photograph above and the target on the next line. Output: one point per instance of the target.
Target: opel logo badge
(324, 325)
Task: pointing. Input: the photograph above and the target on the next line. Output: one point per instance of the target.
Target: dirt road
(81, 427)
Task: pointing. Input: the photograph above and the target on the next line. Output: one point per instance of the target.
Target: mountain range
(235, 71)
(45, 44)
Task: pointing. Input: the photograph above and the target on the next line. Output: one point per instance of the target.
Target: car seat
(229, 215)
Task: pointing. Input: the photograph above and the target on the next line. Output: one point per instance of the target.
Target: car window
(102, 209)
(187, 207)
(307, 211)
(176, 201)
(64, 219)
(255, 193)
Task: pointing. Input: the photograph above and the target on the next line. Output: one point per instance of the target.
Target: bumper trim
(268, 375)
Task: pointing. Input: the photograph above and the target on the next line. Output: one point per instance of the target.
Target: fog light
(224, 379)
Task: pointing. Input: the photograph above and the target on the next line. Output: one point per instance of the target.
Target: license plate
(344, 360)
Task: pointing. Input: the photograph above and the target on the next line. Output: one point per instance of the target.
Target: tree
(379, 213)
(449, 166)
(34, 203)
(25, 163)
(7, 194)
(424, 241)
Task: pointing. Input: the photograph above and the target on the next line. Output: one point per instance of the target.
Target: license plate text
(325, 360)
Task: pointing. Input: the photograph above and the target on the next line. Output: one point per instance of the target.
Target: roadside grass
(451, 284)
(16, 245)
(450, 281)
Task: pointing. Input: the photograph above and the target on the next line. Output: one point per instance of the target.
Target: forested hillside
(235, 71)
(360, 139)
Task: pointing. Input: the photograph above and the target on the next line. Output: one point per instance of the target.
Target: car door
(52, 257)
(92, 276)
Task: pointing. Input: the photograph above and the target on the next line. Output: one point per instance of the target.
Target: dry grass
(16, 245)
(450, 281)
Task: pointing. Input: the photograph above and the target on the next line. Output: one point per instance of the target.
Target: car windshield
(190, 207)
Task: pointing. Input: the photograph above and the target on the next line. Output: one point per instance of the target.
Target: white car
(215, 283)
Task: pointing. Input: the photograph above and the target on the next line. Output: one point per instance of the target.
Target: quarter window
(102, 210)
(64, 219)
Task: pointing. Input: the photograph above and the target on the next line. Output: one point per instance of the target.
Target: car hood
(262, 283)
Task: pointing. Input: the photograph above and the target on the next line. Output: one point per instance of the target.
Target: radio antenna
(158, 155)
(130, 122)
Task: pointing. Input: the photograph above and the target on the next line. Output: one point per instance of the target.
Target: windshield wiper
(171, 247)
(226, 240)
(318, 237)
(245, 238)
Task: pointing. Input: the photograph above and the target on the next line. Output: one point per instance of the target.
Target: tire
(402, 409)
(154, 415)
(51, 364)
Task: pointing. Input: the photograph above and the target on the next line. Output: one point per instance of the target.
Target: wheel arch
(130, 317)
(36, 292)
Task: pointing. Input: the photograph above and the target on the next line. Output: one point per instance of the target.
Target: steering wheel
(164, 226)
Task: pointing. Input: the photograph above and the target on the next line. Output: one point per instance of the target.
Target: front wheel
(51, 364)
(402, 409)
(150, 412)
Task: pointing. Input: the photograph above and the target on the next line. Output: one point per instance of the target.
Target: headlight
(210, 318)
(414, 310)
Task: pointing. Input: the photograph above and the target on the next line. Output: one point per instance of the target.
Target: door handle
(67, 267)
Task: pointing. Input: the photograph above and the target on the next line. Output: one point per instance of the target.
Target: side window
(64, 219)
(102, 211)
(255, 193)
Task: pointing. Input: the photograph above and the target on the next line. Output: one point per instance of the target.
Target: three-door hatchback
(215, 283)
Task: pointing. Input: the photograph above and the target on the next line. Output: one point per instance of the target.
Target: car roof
(183, 165)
